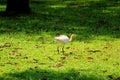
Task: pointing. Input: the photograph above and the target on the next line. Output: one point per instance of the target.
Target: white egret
(64, 40)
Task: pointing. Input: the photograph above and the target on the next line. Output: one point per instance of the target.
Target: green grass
(27, 50)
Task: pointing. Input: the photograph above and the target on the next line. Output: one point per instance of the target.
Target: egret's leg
(58, 49)
(63, 49)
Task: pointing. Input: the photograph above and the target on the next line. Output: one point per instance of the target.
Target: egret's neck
(71, 37)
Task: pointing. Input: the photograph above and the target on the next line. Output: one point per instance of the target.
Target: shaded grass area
(27, 50)
(33, 74)
(91, 18)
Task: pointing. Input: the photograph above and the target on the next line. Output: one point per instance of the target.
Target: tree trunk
(17, 6)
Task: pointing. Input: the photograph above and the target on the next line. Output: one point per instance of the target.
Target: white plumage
(63, 39)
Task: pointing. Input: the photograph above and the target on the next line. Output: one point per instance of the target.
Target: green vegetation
(27, 50)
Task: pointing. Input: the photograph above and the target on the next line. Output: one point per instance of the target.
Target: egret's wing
(62, 38)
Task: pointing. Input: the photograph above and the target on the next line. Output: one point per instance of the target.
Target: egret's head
(73, 35)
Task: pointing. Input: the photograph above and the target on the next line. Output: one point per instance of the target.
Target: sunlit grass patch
(2, 7)
(58, 6)
(21, 52)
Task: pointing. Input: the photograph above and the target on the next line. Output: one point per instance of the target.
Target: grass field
(27, 50)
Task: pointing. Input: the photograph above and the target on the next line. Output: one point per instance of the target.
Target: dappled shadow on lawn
(41, 74)
(87, 19)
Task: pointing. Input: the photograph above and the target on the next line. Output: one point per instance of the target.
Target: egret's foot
(71, 52)
(63, 52)
(58, 51)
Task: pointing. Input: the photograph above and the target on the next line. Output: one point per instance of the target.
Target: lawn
(28, 50)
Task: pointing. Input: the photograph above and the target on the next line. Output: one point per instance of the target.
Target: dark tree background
(17, 6)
